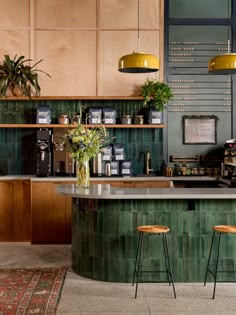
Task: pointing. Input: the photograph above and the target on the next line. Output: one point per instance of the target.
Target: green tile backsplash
(17, 145)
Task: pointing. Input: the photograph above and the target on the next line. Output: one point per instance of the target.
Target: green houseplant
(156, 94)
(17, 75)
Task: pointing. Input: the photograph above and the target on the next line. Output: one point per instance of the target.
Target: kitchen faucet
(148, 168)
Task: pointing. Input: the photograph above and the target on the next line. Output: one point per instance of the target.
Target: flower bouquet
(85, 143)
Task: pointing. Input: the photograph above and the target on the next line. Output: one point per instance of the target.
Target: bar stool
(217, 229)
(154, 229)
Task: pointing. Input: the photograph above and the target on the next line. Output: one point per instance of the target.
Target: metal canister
(108, 169)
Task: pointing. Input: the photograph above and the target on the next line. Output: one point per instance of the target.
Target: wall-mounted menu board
(199, 129)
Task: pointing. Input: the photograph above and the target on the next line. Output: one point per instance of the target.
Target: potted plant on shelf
(17, 75)
(155, 94)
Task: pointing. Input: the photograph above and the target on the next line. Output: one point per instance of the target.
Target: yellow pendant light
(223, 64)
(138, 62)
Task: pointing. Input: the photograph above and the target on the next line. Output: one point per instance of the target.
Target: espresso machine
(230, 159)
(43, 147)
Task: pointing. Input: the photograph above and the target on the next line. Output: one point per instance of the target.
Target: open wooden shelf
(35, 98)
(73, 126)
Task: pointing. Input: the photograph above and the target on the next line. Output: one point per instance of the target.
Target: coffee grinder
(43, 147)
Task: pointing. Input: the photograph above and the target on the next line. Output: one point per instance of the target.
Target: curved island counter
(104, 236)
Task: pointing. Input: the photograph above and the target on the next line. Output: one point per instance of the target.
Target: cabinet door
(153, 184)
(21, 211)
(124, 184)
(48, 213)
(6, 211)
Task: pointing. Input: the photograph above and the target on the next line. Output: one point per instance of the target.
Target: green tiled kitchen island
(104, 222)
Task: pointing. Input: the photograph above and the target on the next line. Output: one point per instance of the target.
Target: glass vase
(83, 174)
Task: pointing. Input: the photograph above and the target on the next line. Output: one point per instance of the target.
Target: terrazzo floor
(81, 296)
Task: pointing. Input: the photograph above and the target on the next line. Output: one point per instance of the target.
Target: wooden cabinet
(136, 184)
(21, 195)
(15, 212)
(153, 184)
(51, 214)
(6, 226)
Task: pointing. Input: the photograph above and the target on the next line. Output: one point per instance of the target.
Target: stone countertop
(105, 191)
(119, 178)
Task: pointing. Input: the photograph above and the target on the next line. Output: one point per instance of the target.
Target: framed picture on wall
(199, 129)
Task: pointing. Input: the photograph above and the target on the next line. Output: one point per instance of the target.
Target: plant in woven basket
(21, 78)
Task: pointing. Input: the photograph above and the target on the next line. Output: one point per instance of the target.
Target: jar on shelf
(188, 170)
(64, 119)
(139, 119)
(201, 171)
(194, 171)
(126, 120)
(76, 119)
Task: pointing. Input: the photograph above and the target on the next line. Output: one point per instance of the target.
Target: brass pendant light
(225, 63)
(138, 62)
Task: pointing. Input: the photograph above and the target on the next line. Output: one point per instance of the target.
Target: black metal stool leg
(138, 264)
(216, 267)
(165, 255)
(168, 263)
(209, 257)
(136, 259)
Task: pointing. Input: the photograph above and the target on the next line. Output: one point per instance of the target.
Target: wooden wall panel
(123, 14)
(61, 13)
(70, 58)
(115, 44)
(14, 42)
(15, 13)
(81, 42)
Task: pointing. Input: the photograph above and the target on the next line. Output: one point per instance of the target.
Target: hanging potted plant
(18, 76)
(155, 94)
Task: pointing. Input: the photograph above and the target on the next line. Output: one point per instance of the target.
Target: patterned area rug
(30, 291)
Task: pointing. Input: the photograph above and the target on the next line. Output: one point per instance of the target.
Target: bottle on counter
(163, 168)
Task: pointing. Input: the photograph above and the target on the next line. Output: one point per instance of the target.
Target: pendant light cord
(138, 29)
(229, 35)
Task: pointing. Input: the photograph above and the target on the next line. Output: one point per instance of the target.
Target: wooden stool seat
(224, 228)
(153, 229)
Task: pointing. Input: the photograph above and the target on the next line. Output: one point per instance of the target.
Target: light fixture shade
(222, 64)
(138, 62)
